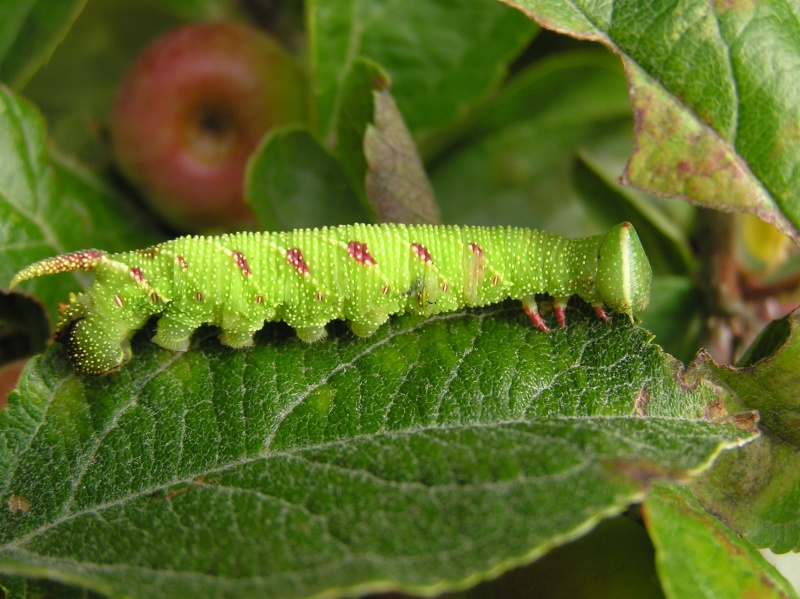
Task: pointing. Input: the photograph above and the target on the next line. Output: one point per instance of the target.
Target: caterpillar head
(623, 271)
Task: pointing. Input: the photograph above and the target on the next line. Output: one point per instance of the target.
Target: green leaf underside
(396, 183)
(724, 135)
(685, 534)
(424, 458)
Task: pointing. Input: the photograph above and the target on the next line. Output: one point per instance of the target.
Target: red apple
(191, 111)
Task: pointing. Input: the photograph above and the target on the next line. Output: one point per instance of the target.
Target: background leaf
(516, 152)
(378, 153)
(49, 206)
(292, 182)
(685, 534)
(357, 111)
(354, 464)
(200, 10)
(74, 89)
(438, 71)
(29, 32)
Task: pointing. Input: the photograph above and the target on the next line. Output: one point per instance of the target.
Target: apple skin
(190, 112)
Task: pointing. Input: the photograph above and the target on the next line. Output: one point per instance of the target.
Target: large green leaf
(438, 69)
(352, 465)
(714, 91)
(29, 32)
(50, 205)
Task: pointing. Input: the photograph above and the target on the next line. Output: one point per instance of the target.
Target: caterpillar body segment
(308, 277)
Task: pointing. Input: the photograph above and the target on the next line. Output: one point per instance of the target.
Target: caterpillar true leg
(601, 313)
(559, 305)
(532, 310)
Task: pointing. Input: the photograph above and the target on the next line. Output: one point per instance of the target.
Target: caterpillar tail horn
(80, 260)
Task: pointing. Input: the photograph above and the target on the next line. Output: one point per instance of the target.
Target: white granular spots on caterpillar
(310, 277)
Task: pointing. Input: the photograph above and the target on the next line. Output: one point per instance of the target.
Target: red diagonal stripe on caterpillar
(294, 256)
(241, 262)
(358, 251)
(422, 252)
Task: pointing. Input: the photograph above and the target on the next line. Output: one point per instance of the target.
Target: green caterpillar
(308, 277)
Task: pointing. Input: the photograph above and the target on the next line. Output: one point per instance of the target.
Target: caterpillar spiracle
(308, 277)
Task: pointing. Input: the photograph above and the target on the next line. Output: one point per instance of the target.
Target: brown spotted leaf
(396, 183)
(769, 381)
(378, 152)
(715, 96)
